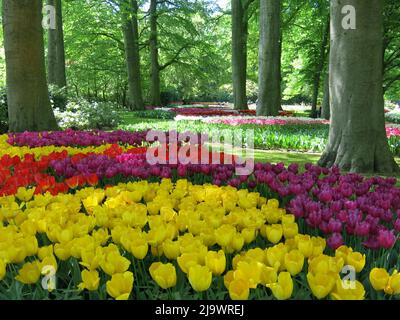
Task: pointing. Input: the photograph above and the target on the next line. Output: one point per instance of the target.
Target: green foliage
(58, 97)
(393, 116)
(3, 110)
(154, 114)
(81, 114)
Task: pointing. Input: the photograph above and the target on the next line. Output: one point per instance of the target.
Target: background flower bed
(296, 137)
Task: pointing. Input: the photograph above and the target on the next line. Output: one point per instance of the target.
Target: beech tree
(28, 100)
(56, 50)
(357, 138)
(240, 21)
(132, 56)
(269, 82)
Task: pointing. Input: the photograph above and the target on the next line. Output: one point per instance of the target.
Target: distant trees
(130, 27)
(240, 21)
(56, 51)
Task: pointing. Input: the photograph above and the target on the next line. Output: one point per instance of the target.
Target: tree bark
(132, 56)
(319, 69)
(269, 83)
(28, 99)
(155, 91)
(239, 53)
(56, 51)
(357, 138)
(326, 108)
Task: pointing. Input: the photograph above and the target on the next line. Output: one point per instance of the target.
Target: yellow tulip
(2, 269)
(171, 249)
(90, 280)
(283, 289)
(256, 254)
(45, 252)
(343, 252)
(120, 286)
(228, 278)
(24, 194)
(114, 263)
(216, 262)
(237, 242)
(239, 290)
(288, 219)
(274, 233)
(319, 245)
(187, 260)
(163, 274)
(249, 271)
(379, 278)
(62, 251)
(49, 261)
(275, 256)
(268, 275)
(29, 273)
(200, 278)
(65, 235)
(92, 259)
(357, 260)
(321, 284)
(139, 248)
(156, 236)
(393, 286)
(294, 262)
(290, 230)
(325, 264)
(167, 214)
(249, 234)
(342, 292)
(305, 245)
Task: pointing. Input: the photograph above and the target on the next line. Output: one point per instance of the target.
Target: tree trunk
(131, 40)
(155, 91)
(28, 99)
(357, 138)
(326, 108)
(56, 50)
(239, 54)
(319, 68)
(269, 83)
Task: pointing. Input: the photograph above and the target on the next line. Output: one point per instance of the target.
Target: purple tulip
(335, 241)
(386, 239)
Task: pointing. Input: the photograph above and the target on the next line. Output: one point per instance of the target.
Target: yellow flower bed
(7, 149)
(196, 229)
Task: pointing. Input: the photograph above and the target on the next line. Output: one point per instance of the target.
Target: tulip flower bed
(293, 134)
(162, 240)
(217, 111)
(97, 221)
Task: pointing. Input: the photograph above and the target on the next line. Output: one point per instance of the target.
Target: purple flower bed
(82, 138)
(75, 138)
(326, 200)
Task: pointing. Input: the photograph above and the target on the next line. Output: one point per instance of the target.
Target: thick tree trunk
(239, 53)
(56, 50)
(357, 138)
(269, 83)
(155, 91)
(131, 40)
(28, 99)
(326, 108)
(319, 69)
